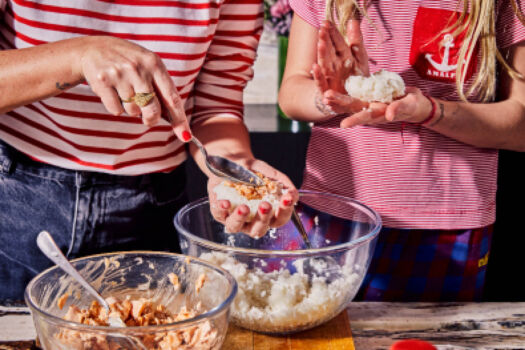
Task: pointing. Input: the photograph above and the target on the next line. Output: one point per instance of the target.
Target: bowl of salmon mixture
(165, 301)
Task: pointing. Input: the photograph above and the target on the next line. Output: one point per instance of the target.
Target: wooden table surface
(373, 326)
(333, 335)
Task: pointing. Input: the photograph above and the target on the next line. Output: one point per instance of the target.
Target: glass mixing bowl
(284, 287)
(138, 274)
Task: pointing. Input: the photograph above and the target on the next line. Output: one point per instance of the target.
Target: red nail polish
(186, 136)
(264, 210)
(240, 211)
(224, 205)
(287, 202)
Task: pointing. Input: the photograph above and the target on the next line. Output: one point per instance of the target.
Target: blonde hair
(479, 27)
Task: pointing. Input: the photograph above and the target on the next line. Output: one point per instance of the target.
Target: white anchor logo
(443, 66)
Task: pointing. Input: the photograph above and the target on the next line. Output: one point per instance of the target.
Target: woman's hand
(336, 61)
(117, 69)
(414, 107)
(236, 219)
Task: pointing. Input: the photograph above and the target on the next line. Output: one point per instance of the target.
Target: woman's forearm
(35, 73)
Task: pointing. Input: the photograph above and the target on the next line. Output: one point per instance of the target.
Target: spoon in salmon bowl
(47, 245)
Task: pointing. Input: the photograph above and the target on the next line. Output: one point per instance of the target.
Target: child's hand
(414, 107)
(336, 61)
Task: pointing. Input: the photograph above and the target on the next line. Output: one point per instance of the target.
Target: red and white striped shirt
(414, 177)
(208, 47)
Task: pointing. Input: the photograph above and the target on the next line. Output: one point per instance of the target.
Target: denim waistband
(13, 160)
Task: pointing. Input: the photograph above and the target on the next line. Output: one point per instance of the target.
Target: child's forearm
(492, 125)
(297, 99)
(488, 125)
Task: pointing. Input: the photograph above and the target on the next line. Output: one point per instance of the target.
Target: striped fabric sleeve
(308, 10)
(228, 66)
(509, 29)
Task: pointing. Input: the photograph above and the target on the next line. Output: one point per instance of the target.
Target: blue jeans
(85, 212)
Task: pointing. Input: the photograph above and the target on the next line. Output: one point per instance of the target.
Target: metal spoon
(299, 226)
(223, 167)
(227, 169)
(50, 249)
(323, 266)
(234, 172)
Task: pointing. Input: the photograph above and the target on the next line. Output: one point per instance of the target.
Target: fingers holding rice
(377, 91)
(220, 209)
(236, 221)
(285, 209)
(254, 209)
(261, 222)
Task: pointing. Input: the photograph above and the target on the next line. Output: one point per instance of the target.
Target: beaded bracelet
(432, 111)
(321, 107)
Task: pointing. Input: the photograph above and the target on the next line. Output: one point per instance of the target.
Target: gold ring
(141, 99)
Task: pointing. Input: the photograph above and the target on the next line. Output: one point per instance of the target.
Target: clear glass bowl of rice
(283, 287)
(190, 311)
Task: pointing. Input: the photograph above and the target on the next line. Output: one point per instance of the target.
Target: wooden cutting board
(333, 335)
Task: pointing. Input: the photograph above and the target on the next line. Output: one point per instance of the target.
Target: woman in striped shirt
(100, 170)
(428, 161)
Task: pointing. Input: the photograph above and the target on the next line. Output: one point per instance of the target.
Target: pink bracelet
(432, 111)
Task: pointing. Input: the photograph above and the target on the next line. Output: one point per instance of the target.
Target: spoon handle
(48, 246)
(299, 226)
(206, 158)
(200, 146)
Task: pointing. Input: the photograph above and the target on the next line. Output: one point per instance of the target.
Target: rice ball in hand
(251, 196)
(382, 86)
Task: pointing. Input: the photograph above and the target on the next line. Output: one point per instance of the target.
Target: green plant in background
(278, 17)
